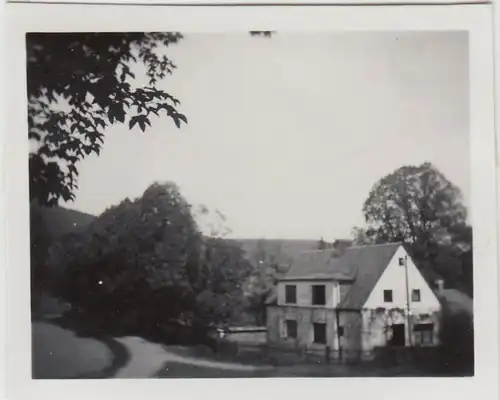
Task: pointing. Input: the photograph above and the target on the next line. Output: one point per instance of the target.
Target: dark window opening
(398, 335)
(423, 334)
(290, 294)
(388, 296)
(319, 333)
(318, 295)
(291, 328)
(341, 331)
(401, 262)
(415, 295)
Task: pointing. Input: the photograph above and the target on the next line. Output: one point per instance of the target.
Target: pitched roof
(361, 265)
(370, 262)
(319, 264)
(282, 251)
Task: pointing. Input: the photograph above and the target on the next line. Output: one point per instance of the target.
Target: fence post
(327, 354)
(303, 353)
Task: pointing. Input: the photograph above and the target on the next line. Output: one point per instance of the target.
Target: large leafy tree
(217, 283)
(144, 262)
(133, 249)
(261, 284)
(78, 85)
(419, 206)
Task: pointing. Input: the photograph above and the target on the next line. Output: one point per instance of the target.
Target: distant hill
(59, 221)
(283, 251)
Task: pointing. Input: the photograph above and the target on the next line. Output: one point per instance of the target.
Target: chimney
(340, 246)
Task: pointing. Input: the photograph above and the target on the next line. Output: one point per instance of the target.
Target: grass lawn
(59, 353)
(181, 370)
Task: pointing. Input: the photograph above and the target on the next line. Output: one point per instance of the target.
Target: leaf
(142, 124)
(176, 120)
(132, 122)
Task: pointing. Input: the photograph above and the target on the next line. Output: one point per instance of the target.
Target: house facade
(354, 302)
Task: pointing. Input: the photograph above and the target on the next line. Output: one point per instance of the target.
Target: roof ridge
(316, 250)
(375, 245)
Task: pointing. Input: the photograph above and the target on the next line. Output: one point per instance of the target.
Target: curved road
(147, 359)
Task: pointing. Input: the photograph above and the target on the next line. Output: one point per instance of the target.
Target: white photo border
(476, 19)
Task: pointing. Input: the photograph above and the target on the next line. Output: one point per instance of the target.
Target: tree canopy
(78, 85)
(145, 260)
(263, 279)
(419, 206)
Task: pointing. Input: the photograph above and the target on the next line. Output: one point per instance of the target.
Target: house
(353, 302)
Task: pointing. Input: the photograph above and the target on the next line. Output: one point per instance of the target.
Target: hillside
(59, 221)
(282, 251)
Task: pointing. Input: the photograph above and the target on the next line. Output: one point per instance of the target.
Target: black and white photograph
(252, 203)
(199, 209)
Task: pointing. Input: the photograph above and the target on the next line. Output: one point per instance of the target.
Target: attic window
(415, 295)
(388, 296)
(401, 261)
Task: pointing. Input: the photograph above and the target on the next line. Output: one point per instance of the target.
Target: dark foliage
(419, 206)
(143, 264)
(457, 342)
(78, 85)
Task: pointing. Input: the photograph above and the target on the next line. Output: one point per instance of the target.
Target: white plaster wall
(304, 293)
(394, 278)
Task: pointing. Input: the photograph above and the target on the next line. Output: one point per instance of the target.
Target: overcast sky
(286, 136)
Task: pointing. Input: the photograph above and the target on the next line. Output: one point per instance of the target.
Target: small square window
(291, 329)
(290, 294)
(401, 261)
(415, 295)
(388, 296)
(319, 333)
(318, 295)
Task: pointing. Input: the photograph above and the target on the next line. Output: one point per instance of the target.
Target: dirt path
(147, 359)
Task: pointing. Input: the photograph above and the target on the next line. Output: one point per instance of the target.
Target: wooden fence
(263, 352)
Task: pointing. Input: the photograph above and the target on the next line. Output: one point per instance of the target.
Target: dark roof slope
(283, 251)
(369, 262)
(320, 264)
(362, 265)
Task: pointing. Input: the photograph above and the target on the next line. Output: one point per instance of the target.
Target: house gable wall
(394, 278)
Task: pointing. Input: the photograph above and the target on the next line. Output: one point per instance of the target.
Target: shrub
(457, 342)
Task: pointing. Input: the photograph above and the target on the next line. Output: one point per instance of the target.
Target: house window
(388, 296)
(401, 261)
(319, 333)
(341, 331)
(415, 295)
(290, 294)
(423, 334)
(318, 295)
(291, 329)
